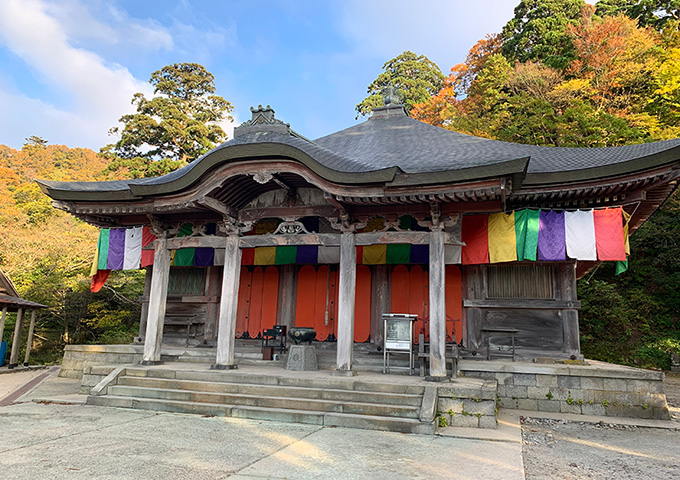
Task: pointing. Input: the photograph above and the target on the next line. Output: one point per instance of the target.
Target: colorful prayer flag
(329, 255)
(103, 248)
(580, 235)
(265, 256)
(204, 257)
(116, 249)
(147, 255)
(551, 244)
(452, 254)
(502, 239)
(133, 248)
(398, 253)
(609, 234)
(419, 254)
(374, 255)
(286, 255)
(99, 280)
(307, 254)
(526, 233)
(476, 239)
(184, 257)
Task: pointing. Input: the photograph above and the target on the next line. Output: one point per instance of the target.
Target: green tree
(649, 13)
(36, 141)
(538, 32)
(181, 122)
(415, 76)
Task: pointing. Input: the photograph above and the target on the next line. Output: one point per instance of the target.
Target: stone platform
(369, 401)
(596, 388)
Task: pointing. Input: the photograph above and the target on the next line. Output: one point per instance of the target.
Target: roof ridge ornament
(394, 106)
(392, 96)
(262, 121)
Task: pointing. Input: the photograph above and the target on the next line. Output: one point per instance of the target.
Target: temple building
(388, 216)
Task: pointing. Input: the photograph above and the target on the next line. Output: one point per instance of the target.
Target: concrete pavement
(66, 440)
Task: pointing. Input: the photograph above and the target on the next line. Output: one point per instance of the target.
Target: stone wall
(77, 357)
(596, 389)
(462, 406)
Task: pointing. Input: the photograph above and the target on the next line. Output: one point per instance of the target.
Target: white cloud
(110, 25)
(97, 93)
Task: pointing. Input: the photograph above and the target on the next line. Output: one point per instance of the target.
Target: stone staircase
(408, 407)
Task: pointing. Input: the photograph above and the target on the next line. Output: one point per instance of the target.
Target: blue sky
(69, 68)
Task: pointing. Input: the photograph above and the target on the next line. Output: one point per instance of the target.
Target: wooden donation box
(398, 328)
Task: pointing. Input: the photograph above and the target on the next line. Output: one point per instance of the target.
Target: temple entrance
(317, 306)
(410, 294)
(257, 300)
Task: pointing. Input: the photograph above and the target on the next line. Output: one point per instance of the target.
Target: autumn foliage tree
(600, 78)
(47, 253)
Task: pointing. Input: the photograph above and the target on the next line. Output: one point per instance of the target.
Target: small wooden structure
(271, 228)
(10, 302)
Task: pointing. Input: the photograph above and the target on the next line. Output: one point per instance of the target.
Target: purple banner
(551, 236)
(204, 257)
(116, 248)
(307, 254)
(420, 254)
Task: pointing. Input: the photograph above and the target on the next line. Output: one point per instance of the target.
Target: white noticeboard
(398, 333)
(398, 328)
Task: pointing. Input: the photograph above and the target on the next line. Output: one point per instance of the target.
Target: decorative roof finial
(392, 96)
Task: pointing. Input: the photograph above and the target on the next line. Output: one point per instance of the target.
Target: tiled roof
(392, 148)
(417, 147)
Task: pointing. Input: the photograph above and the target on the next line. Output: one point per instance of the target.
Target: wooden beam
(324, 239)
(254, 214)
(219, 207)
(270, 240)
(523, 303)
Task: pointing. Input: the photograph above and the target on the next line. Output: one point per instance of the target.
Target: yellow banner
(502, 240)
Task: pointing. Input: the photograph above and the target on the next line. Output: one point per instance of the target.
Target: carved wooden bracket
(290, 228)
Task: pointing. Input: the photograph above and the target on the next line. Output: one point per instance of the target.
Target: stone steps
(315, 399)
(268, 401)
(275, 390)
(348, 420)
(322, 381)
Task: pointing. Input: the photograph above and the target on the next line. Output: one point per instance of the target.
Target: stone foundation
(77, 357)
(597, 389)
(461, 406)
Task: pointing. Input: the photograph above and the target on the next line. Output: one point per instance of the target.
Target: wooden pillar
(158, 295)
(474, 317)
(380, 302)
(18, 327)
(148, 275)
(346, 299)
(287, 296)
(437, 307)
(226, 330)
(571, 342)
(29, 341)
(212, 289)
(2, 322)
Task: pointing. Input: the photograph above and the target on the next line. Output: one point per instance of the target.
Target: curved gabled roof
(416, 147)
(389, 148)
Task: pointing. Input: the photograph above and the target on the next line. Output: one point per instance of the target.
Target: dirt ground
(555, 449)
